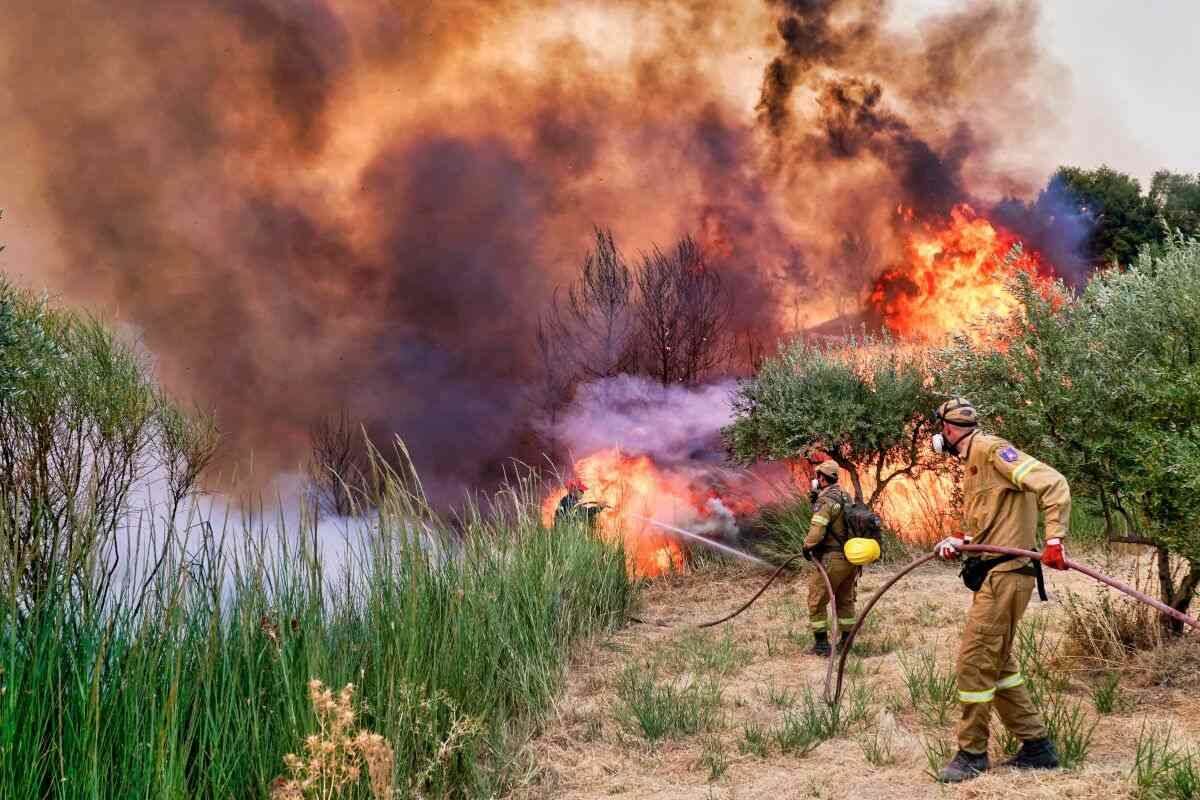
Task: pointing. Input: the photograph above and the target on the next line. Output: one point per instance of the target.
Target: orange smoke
(953, 275)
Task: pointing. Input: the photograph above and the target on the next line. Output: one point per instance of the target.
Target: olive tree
(865, 402)
(1106, 387)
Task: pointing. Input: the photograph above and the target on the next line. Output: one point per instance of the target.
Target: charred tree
(683, 315)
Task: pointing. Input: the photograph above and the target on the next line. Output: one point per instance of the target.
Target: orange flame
(953, 276)
(632, 487)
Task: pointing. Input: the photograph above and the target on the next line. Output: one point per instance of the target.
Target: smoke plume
(316, 205)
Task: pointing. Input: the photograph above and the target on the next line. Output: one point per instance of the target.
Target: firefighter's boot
(1035, 754)
(820, 644)
(963, 767)
(843, 640)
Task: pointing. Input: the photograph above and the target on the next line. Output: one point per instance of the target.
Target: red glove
(1053, 554)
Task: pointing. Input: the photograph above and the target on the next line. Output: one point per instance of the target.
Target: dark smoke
(306, 205)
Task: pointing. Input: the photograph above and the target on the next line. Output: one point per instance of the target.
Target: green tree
(1123, 220)
(865, 402)
(1106, 387)
(1177, 199)
(81, 423)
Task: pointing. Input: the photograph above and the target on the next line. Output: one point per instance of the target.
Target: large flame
(954, 275)
(632, 487)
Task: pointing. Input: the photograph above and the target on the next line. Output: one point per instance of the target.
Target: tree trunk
(1181, 599)
(854, 479)
(1177, 597)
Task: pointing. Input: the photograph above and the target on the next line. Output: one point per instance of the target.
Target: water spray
(733, 551)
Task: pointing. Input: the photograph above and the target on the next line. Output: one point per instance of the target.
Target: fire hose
(832, 615)
(842, 653)
(1005, 551)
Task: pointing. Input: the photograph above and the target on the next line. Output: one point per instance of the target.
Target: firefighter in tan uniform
(826, 537)
(1003, 490)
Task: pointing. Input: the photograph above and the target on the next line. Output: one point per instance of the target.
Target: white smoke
(671, 424)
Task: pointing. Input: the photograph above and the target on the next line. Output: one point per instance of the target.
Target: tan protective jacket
(827, 517)
(1003, 489)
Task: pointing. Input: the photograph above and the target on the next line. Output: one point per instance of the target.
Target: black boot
(963, 767)
(1035, 754)
(843, 640)
(820, 644)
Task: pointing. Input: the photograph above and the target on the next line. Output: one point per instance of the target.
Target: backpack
(862, 522)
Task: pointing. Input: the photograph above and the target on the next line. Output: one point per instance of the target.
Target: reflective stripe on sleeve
(820, 519)
(977, 697)
(1020, 472)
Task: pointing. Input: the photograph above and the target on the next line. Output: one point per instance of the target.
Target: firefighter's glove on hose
(808, 553)
(948, 548)
(1053, 555)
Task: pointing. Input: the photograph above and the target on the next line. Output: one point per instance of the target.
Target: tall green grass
(197, 687)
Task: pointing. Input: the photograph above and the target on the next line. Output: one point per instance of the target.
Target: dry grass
(338, 756)
(883, 758)
(1104, 628)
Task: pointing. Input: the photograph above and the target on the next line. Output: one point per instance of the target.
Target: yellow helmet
(861, 551)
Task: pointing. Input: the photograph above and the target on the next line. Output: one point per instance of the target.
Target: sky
(1136, 86)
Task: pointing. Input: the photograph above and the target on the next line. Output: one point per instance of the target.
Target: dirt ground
(585, 752)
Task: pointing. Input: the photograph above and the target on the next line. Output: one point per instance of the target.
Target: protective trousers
(843, 577)
(988, 673)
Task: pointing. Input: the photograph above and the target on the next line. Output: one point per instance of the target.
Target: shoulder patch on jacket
(1009, 454)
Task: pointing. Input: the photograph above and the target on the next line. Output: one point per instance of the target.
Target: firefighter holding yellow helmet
(1003, 490)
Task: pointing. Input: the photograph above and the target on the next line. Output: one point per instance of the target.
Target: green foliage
(755, 741)
(1106, 388)
(703, 653)
(202, 691)
(866, 403)
(1067, 724)
(932, 689)
(81, 422)
(713, 757)
(1069, 728)
(815, 721)
(1107, 696)
(657, 710)
(1177, 199)
(1122, 218)
(938, 753)
(1163, 772)
(786, 523)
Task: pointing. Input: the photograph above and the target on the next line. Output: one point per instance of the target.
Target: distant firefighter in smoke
(574, 508)
(828, 532)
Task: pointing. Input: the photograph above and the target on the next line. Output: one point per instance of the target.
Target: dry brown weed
(335, 756)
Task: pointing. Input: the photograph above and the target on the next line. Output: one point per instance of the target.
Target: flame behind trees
(864, 403)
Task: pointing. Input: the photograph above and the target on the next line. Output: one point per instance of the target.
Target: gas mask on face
(943, 446)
